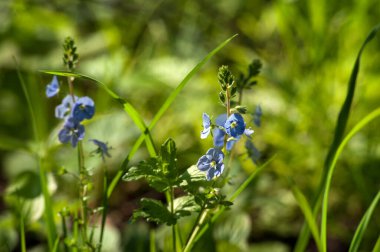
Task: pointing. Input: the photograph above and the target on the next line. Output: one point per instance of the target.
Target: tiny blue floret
(52, 88)
(72, 132)
(257, 116)
(84, 108)
(212, 163)
(102, 148)
(235, 125)
(206, 126)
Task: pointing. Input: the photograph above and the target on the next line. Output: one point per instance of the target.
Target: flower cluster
(229, 127)
(225, 131)
(74, 110)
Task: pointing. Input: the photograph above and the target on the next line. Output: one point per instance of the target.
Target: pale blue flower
(212, 163)
(206, 126)
(52, 88)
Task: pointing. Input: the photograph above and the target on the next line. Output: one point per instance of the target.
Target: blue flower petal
(248, 132)
(84, 108)
(72, 132)
(52, 88)
(206, 126)
(235, 125)
(63, 109)
(102, 148)
(212, 163)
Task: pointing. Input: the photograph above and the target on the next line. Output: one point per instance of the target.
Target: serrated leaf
(193, 177)
(185, 205)
(155, 211)
(151, 171)
(143, 170)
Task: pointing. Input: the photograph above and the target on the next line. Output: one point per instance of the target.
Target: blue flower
(219, 134)
(235, 125)
(212, 163)
(102, 148)
(52, 88)
(72, 132)
(63, 109)
(206, 125)
(257, 116)
(84, 108)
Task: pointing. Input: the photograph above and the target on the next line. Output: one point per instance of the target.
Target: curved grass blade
(370, 117)
(306, 210)
(355, 242)
(338, 135)
(377, 245)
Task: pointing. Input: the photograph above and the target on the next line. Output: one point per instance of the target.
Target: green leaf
(151, 170)
(26, 185)
(358, 236)
(168, 158)
(155, 211)
(192, 179)
(185, 206)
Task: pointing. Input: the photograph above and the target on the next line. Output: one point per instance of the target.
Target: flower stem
(198, 223)
(83, 192)
(174, 234)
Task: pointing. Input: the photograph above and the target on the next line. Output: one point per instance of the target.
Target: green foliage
(154, 210)
(247, 81)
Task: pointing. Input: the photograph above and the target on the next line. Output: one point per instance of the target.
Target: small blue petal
(84, 108)
(102, 148)
(72, 132)
(52, 88)
(206, 126)
(212, 163)
(248, 132)
(235, 125)
(257, 116)
(63, 109)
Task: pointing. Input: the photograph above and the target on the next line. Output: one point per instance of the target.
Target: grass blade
(355, 242)
(374, 114)
(307, 212)
(377, 245)
(344, 113)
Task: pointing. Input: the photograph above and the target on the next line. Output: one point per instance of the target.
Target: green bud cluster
(70, 56)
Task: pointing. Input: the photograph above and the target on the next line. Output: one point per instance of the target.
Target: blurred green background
(142, 50)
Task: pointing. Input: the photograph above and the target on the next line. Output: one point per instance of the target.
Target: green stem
(171, 200)
(83, 192)
(48, 210)
(104, 211)
(199, 222)
(64, 231)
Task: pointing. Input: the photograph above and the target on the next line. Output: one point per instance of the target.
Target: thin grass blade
(307, 212)
(356, 240)
(370, 117)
